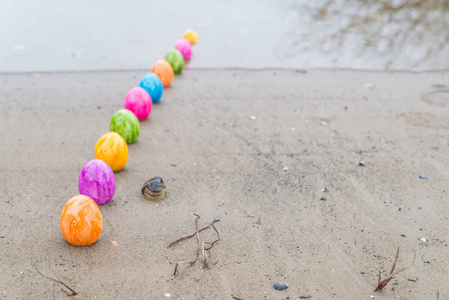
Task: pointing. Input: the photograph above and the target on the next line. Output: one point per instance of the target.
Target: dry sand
(263, 178)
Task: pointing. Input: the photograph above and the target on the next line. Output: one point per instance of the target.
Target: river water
(51, 35)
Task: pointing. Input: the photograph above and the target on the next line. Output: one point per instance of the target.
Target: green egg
(125, 123)
(176, 60)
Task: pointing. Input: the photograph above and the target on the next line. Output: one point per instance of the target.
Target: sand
(252, 148)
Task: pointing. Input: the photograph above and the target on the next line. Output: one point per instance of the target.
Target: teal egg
(176, 60)
(125, 123)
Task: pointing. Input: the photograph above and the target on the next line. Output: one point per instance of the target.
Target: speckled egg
(164, 71)
(184, 47)
(191, 36)
(175, 59)
(81, 221)
(97, 181)
(139, 102)
(113, 150)
(125, 123)
(153, 85)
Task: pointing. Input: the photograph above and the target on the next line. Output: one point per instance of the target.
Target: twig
(72, 291)
(212, 244)
(197, 251)
(193, 234)
(382, 284)
(237, 298)
(201, 245)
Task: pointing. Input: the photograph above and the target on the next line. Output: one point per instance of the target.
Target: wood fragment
(382, 284)
(72, 291)
(188, 236)
(201, 244)
(237, 298)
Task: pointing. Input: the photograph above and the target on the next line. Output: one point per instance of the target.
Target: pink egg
(139, 102)
(184, 47)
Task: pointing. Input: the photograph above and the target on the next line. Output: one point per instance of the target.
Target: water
(109, 35)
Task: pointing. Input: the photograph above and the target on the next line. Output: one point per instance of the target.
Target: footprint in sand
(438, 97)
(425, 120)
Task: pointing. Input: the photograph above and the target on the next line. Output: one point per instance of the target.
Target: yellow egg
(112, 149)
(191, 36)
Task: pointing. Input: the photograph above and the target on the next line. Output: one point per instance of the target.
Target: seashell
(154, 189)
(280, 286)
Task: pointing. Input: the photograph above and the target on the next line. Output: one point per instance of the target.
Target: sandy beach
(255, 149)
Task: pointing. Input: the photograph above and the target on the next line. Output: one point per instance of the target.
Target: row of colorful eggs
(81, 220)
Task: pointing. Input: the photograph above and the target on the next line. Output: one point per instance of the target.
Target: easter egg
(113, 150)
(175, 59)
(164, 71)
(191, 36)
(153, 85)
(184, 47)
(125, 123)
(139, 102)
(81, 221)
(97, 181)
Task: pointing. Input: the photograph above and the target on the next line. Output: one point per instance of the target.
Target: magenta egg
(184, 47)
(97, 181)
(139, 102)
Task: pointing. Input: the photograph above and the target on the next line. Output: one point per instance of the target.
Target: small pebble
(372, 297)
(322, 198)
(323, 123)
(167, 295)
(362, 272)
(173, 165)
(423, 177)
(424, 240)
(285, 168)
(403, 235)
(252, 117)
(362, 163)
(325, 190)
(280, 286)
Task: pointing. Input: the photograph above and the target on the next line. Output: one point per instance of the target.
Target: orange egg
(81, 221)
(164, 71)
(112, 149)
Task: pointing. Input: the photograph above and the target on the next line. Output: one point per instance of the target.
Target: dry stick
(382, 284)
(205, 250)
(219, 237)
(197, 251)
(201, 245)
(193, 234)
(73, 292)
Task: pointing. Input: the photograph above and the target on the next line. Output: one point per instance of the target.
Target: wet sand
(263, 178)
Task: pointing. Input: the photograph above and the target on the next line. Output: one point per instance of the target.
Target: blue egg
(153, 85)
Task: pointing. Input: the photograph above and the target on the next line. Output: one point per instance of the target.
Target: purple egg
(97, 181)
